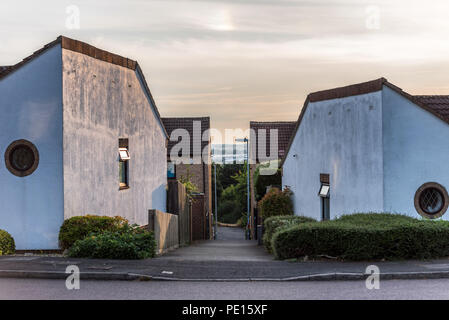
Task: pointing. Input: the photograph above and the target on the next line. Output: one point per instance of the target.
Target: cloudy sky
(242, 60)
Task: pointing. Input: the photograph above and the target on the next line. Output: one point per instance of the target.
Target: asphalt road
(174, 290)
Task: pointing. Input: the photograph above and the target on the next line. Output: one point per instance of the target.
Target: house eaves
(96, 53)
(436, 105)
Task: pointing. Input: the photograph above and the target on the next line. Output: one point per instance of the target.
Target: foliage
(243, 221)
(77, 228)
(186, 180)
(7, 244)
(233, 199)
(228, 211)
(276, 203)
(261, 182)
(365, 237)
(130, 242)
(276, 223)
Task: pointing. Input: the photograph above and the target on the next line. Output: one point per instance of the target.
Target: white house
(80, 134)
(370, 147)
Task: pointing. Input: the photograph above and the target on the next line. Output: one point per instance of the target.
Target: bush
(275, 223)
(77, 228)
(261, 182)
(7, 244)
(276, 203)
(377, 219)
(365, 237)
(130, 242)
(229, 212)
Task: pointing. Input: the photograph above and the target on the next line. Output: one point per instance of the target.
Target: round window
(431, 200)
(21, 158)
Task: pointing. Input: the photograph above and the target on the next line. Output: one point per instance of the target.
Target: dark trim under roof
(436, 105)
(91, 51)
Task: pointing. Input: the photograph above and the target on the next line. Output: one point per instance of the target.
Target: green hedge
(275, 223)
(276, 203)
(7, 244)
(375, 219)
(77, 228)
(365, 237)
(130, 242)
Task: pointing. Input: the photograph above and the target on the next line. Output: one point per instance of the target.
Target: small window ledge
(123, 188)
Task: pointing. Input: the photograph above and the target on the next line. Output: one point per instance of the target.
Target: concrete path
(229, 246)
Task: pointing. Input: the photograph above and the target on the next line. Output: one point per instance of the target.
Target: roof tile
(186, 123)
(285, 130)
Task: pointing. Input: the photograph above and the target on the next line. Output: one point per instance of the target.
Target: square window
(124, 154)
(324, 191)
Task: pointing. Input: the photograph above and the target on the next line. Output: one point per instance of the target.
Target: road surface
(174, 290)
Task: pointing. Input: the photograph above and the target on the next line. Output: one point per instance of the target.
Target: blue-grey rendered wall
(102, 103)
(416, 151)
(31, 207)
(341, 137)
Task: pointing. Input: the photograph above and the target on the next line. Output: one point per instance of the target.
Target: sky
(243, 60)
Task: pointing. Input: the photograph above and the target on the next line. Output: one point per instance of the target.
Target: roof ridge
(94, 52)
(348, 90)
(364, 88)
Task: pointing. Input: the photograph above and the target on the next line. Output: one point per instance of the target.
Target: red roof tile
(186, 123)
(285, 130)
(439, 104)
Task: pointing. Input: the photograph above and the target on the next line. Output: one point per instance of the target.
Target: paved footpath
(231, 257)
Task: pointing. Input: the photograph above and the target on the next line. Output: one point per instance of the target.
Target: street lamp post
(248, 231)
(216, 209)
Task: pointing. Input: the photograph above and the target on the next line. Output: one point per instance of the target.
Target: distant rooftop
(171, 124)
(284, 129)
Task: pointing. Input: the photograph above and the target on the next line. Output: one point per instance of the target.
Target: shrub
(275, 223)
(7, 244)
(276, 203)
(365, 238)
(130, 242)
(229, 211)
(77, 228)
(261, 182)
(386, 219)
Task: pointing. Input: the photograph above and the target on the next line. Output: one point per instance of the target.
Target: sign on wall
(171, 174)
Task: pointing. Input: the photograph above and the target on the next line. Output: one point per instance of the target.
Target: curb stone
(123, 276)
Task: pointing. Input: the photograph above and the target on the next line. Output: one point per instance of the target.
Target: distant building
(370, 147)
(81, 134)
(199, 148)
(262, 134)
(268, 142)
(229, 153)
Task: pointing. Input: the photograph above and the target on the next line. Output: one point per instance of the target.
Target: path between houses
(231, 257)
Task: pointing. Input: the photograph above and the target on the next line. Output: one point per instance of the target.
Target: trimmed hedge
(376, 219)
(7, 244)
(276, 203)
(365, 237)
(77, 228)
(275, 223)
(130, 242)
